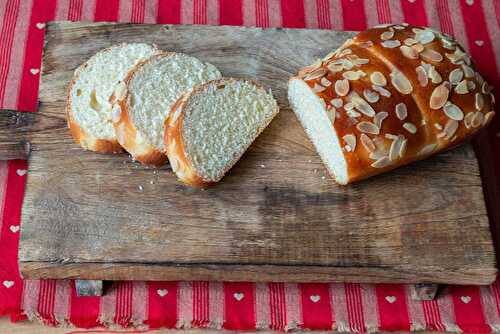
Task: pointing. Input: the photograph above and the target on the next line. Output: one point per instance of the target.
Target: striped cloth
(345, 307)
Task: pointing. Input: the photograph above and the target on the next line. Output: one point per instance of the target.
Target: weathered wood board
(276, 216)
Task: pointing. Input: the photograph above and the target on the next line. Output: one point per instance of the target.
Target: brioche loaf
(88, 108)
(144, 99)
(392, 95)
(210, 128)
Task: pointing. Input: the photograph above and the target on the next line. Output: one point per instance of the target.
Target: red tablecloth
(346, 307)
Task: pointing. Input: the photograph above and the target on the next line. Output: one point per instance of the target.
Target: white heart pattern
(21, 172)
(412, 1)
(34, 71)
(14, 228)
(40, 25)
(390, 299)
(469, 2)
(8, 284)
(479, 42)
(465, 299)
(162, 292)
(238, 296)
(315, 298)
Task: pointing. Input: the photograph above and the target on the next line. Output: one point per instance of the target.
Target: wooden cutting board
(276, 216)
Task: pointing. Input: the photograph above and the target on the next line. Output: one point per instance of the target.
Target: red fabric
(241, 306)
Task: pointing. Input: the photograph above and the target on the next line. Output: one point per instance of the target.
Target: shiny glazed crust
(428, 126)
(174, 141)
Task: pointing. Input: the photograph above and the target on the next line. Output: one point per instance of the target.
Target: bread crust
(126, 132)
(84, 139)
(425, 130)
(174, 141)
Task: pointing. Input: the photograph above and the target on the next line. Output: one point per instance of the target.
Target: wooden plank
(15, 129)
(275, 216)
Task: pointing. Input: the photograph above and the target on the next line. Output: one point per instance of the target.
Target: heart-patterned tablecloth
(345, 307)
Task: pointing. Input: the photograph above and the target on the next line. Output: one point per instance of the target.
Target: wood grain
(276, 216)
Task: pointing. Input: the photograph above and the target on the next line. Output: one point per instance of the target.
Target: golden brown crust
(84, 139)
(424, 130)
(126, 131)
(174, 142)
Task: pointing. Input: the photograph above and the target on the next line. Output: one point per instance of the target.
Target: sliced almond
(468, 119)
(408, 52)
(434, 75)
(418, 47)
(452, 111)
(318, 88)
(353, 113)
(431, 55)
(377, 78)
(422, 76)
(361, 61)
(337, 102)
(477, 119)
(371, 96)
(367, 143)
(471, 85)
(410, 127)
(401, 111)
(316, 74)
(349, 106)
(461, 88)
(479, 101)
(325, 82)
(468, 71)
(352, 75)
(485, 88)
(381, 90)
(350, 140)
(456, 76)
(394, 149)
(450, 128)
(438, 126)
(427, 149)
(361, 105)
(331, 112)
(342, 87)
(334, 68)
(386, 35)
(424, 36)
(409, 41)
(401, 82)
(487, 118)
(381, 163)
(402, 148)
(439, 96)
(379, 118)
(391, 44)
(368, 127)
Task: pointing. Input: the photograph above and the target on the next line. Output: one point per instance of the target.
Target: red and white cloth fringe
(345, 307)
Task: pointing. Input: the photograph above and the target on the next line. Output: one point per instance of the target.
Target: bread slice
(210, 128)
(145, 99)
(88, 107)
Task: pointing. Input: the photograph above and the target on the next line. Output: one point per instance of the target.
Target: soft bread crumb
(156, 86)
(221, 122)
(95, 82)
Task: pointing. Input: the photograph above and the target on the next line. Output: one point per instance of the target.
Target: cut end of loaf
(214, 125)
(313, 116)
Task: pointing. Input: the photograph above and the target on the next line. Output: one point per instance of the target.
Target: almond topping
(438, 126)
(431, 55)
(377, 78)
(381, 90)
(386, 35)
(352, 75)
(325, 82)
(334, 68)
(408, 52)
(368, 127)
(461, 88)
(402, 148)
(479, 101)
(395, 147)
(331, 112)
(468, 119)
(337, 102)
(318, 88)
(367, 143)
(401, 111)
(409, 41)
(422, 76)
(379, 118)
(456, 76)
(439, 96)
(450, 128)
(361, 105)
(434, 75)
(342, 87)
(316, 74)
(471, 85)
(478, 119)
(401, 82)
(487, 118)
(485, 88)
(427, 149)
(349, 106)
(391, 44)
(381, 163)
(418, 47)
(410, 127)
(469, 72)
(350, 140)
(424, 36)
(453, 111)
(371, 96)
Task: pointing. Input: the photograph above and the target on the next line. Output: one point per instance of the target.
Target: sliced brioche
(210, 128)
(390, 96)
(88, 107)
(145, 99)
